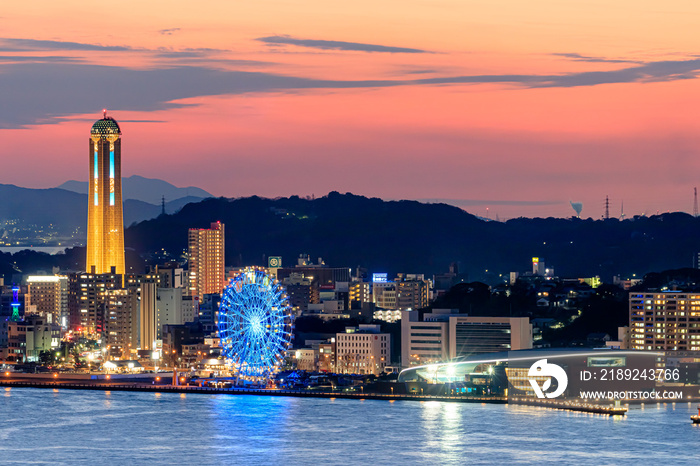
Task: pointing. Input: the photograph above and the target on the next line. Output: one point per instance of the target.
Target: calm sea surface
(89, 427)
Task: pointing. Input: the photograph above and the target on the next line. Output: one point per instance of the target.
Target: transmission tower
(695, 203)
(607, 208)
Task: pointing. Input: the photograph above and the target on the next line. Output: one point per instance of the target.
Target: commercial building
(318, 274)
(476, 335)
(326, 359)
(105, 230)
(363, 350)
(305, 359)
(665, 321)
(206, 260)
(445, 334)
(29, 337)
(301, 291)
(172, 308)
(425, 341)
(405, 292)
(206, 311)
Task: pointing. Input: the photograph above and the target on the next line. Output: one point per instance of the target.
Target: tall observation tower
(105, 233)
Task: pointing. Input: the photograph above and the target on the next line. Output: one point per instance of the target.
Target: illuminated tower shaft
(15, 304)
(105, 235)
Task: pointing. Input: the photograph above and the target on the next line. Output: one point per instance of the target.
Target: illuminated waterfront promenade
(121, 385)
(143, 387)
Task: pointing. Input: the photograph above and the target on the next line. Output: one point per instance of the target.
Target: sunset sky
(512, 106)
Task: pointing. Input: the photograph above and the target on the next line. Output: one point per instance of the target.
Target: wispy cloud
(335, 45)
(589, 59)
(17, 45)
(168, 32)
(37, 59)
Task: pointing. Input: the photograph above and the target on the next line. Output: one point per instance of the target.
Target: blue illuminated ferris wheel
(255, 324)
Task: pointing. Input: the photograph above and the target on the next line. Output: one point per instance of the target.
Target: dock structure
(571, 405)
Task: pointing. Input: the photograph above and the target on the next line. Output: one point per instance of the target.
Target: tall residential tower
(105, 234)
(206, 260)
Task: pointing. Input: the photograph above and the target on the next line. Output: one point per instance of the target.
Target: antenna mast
(695, 204)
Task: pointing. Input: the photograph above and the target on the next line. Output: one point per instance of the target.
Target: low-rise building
(445, 334)
(363, 350)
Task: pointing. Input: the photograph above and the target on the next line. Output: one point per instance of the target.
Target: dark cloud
(579, 57)
(335, 45)
(168, 32)
(16, 45)
(40, 92)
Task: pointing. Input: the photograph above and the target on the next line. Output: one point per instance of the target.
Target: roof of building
(106, 126)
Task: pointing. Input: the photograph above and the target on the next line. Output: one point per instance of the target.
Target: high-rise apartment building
(86, 301)
(105, 232)
(121, 324)
(48, 294)
(144, 287)
(666, 321)
(206, 260)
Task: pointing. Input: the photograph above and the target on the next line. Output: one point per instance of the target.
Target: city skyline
(511, 107)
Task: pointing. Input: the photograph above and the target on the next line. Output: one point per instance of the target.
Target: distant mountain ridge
(42, 206)
(45, 213)
(143, 189)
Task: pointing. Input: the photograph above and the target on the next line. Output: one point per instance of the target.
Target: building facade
(86, 301)
(424, 341)
(206, 260)
(121, 322)
(445, 334)
(666, 321)
(48, 294)
(476, 335)
(105, 230)
(363, 350)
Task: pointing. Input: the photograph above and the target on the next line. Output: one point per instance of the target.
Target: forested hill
(407, 236)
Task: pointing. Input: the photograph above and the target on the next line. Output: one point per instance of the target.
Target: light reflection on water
(69, 427)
